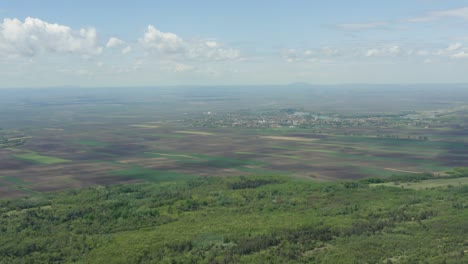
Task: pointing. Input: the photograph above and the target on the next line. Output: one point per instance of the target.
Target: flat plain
(78, 138)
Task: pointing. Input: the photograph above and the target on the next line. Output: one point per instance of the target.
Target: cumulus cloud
(309, 55)
(126, 50)
(166, 43)
(330, 51)
(460, 55)
(455, 51)
(454, 13)
(114, 43)
(162, 41)
(373, 52)
(362, 26)
(395, 50)
(34, 36)
(386, 51)
(177, 67)
(454, 47)
(211, 44)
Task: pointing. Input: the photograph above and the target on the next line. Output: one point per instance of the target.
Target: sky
(155, 43)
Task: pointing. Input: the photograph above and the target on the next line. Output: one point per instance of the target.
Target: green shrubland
(262, 219)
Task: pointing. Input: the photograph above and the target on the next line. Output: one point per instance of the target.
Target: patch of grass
(17, 184)
(205, 160)
(161, 135)
(14, 180)
(306, 150)
(40, 159)
(92, 143)
(173, 156)
(433, 166)
(269, 155)
(369, 171)
(150, 175)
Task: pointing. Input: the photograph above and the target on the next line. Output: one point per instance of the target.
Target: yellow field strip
(289, 138)
(172, 155)
(194, 132)
(405, 171)
(144, 126)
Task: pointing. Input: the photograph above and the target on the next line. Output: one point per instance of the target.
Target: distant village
(292, 118)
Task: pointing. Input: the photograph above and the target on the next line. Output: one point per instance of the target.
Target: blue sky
(131, 43)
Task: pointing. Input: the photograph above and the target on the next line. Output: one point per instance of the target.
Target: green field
(245, 134)
(40, 159)
(152, 175)
(92, 143)
(13, 180)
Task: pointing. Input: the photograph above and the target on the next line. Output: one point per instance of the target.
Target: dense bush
(237, 220)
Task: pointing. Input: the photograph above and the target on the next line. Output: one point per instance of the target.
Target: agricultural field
(83, 138)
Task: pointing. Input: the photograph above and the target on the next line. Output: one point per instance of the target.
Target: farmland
(83, 138)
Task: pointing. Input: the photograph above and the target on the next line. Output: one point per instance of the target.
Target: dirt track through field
(405, 171)
(289, 138)
(195, 133)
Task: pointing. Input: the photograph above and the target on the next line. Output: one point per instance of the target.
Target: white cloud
(383, 52)
(454, 47)
(293, 55)
(453, 51)
(423, 53)
(427, 61)
(178, 67)
(114, 43)
(169, 44)
(387, 51)
(395, 50)
(308, 52)
(362, 26)
(460, 55)
(34, 36)
(454, 13)
(211, 44)
(118, 43)
(161, 41)
(373, 52)
(126, 50)
(309, 55)
(329, 51)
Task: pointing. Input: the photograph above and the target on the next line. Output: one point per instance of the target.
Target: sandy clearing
(18, 138)
(140, 160)
(405, 171)
(194, 133)
(172, 155)
(289, 138)
(53, 129)
(144, 126)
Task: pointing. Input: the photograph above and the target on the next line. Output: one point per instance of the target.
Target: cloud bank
(33, 36)
(166, 43)
(451, 13)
